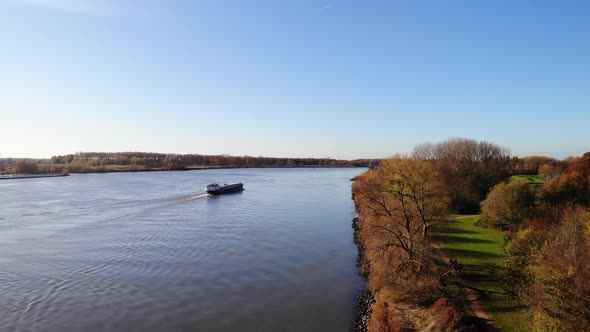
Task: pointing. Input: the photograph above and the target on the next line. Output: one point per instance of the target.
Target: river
(150, 252)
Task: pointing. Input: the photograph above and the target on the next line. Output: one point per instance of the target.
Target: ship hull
(227, 189)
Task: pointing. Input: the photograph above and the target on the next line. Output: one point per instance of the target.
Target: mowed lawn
(481, 252)
(531, 179)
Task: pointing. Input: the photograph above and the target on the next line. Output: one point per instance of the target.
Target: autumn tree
(547, 267)
(135, 161)
(508, 204)
(533, 164)
(26, 166)
(518, 269)
(401, 201)
(570, 189)
(561, 292)
(550, 170)
(547, 264)
(417, 188)
(469, 169)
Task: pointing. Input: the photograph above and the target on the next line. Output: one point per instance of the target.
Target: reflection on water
(150, 252)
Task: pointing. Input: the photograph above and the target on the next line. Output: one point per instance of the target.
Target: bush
(25, 166)
(517, 275)
(561, 293)
(447, 317)
(507, 205)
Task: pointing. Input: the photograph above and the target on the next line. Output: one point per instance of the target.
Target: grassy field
(481, 252)
(532, 179)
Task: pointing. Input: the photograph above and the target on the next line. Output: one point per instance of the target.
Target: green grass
(532, 179)
(481, 252)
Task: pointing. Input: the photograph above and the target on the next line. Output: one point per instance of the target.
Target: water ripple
(151, 252)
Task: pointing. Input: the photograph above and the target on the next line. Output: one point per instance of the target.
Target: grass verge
(531, 179)
(481, 252)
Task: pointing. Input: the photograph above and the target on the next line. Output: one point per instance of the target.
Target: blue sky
(341, 79)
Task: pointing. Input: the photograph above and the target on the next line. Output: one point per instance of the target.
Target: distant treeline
(496, 161)
(541, 165)
(185, 160)
(89, 162)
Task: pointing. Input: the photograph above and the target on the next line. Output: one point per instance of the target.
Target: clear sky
(341, 79)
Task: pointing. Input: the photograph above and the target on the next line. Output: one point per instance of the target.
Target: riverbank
(380, 304)
(30, 176)
(134, 169)
(366, 299)
(404, 275)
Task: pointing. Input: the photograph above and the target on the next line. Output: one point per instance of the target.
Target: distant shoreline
(198, 168)
(30, 176)
(130, 170)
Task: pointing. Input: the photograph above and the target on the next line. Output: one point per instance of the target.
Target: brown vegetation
(468, 168)
(30, 166)
(570, 189)
(548, 262)
(26, 166)
(397, 204)
(508, 205)
(561, 291)
(540, 165)
(547, 265)
(548, 268)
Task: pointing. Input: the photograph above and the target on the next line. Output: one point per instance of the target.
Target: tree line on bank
(462, 160)
(185, 160)
(548, 258)
(85, 162)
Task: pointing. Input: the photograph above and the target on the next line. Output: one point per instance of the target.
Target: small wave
(193, 197)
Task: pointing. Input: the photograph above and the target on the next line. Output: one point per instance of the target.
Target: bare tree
(469, 169)
(399, 203)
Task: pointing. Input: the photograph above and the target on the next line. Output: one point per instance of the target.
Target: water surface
(149, 252)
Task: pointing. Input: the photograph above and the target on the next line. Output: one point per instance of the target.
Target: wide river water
(150, 252)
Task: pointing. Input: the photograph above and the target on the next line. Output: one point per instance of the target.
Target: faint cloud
(326, 7)
(89, 7)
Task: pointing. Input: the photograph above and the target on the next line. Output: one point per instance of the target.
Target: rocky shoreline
(365, 299)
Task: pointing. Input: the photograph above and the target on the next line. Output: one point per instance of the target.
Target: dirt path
(471, 296)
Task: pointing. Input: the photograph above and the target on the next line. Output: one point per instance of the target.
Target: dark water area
(150, 252)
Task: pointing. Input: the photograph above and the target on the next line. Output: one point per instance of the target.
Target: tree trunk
(425, 230)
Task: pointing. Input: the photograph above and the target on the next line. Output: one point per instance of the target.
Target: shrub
(446, 316)
(562, 292)
(507, 205)
(25, 166)
(517, 275)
